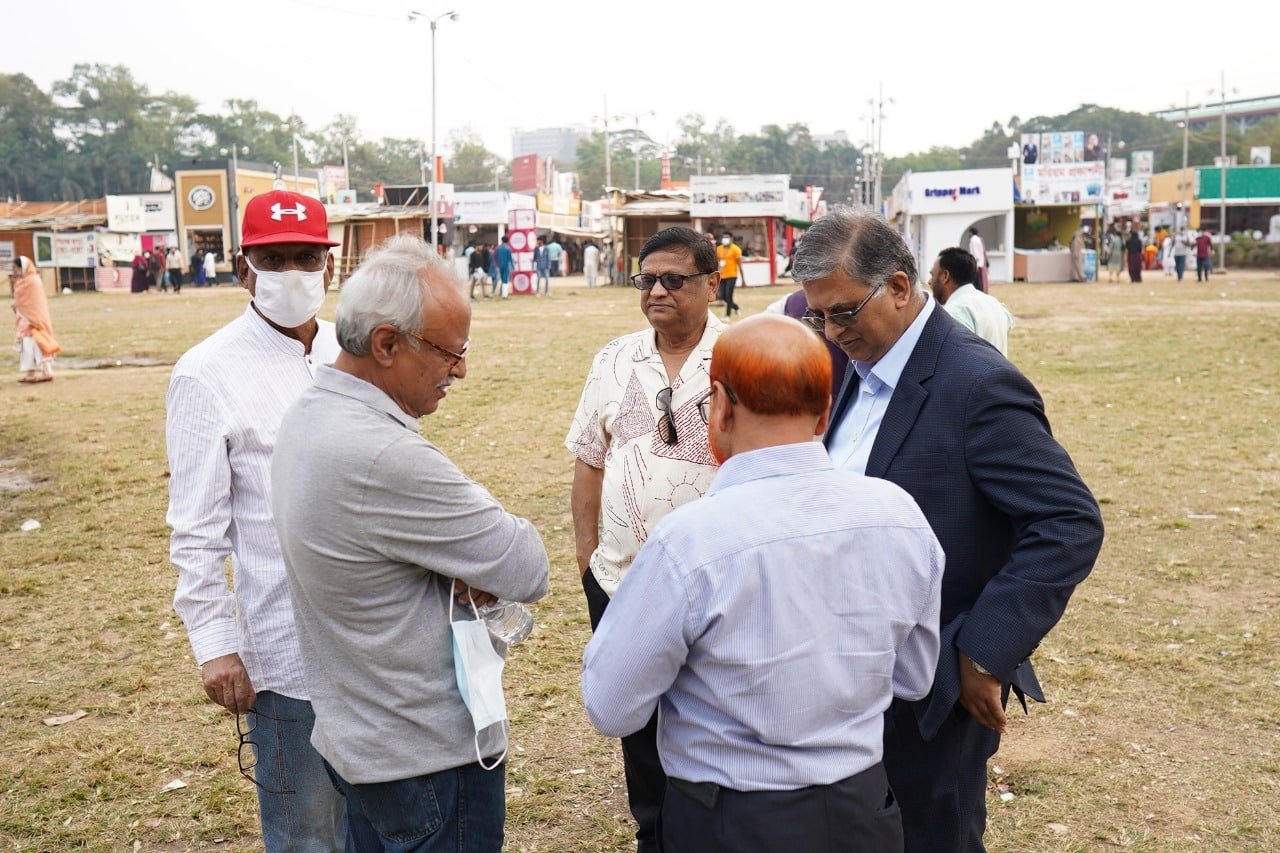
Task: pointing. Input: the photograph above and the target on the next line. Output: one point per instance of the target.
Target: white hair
(388, 288)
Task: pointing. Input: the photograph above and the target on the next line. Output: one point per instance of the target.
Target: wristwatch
(982, 670)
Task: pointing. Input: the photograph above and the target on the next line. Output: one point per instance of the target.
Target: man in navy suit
(930, 406)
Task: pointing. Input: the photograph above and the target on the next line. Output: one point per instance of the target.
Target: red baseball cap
(281, 216)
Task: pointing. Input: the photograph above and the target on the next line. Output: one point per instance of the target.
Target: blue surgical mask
(478, 669)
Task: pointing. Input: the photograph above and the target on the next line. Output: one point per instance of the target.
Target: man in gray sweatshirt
(380, 530)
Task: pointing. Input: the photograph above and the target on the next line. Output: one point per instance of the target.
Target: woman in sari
(36, 344)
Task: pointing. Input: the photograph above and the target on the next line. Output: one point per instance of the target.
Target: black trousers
(646, 780)
(854, 815)
(941, 784)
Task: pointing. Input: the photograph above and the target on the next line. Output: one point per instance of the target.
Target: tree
(32, 160)
(471, 166)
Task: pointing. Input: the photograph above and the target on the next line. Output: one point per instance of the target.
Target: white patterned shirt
(616, 428)
(226, 399)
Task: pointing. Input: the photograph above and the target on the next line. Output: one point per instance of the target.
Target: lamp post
(605, 118)
(1221, 91)
(637, 117)
(432, 22)
(234, 151)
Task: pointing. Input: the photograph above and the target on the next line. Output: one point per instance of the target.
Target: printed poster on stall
(732, 196)
(1144, 164)
(1049, 149)
(1260, 155)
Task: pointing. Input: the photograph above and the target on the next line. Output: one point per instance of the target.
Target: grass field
(1163, 727)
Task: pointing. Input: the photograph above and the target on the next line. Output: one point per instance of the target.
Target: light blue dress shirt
(773, 643)
(851, 442)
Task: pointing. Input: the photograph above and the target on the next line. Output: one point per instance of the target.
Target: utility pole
(1221, 174)
(877, 169)
(1186, 136)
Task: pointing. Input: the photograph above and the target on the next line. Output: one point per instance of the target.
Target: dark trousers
(1204, 266)
(1135, 268)
(1180, 265)
(941, 784)
(461, 810)
(854, 815)
(727, 286)
(646, 780)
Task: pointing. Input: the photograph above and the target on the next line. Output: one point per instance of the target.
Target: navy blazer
(965, 434)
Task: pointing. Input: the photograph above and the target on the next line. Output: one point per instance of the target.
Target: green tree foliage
(31, 157)
(95, 132)
(472, 167)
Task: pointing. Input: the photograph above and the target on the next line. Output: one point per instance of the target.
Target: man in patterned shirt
(642, 451)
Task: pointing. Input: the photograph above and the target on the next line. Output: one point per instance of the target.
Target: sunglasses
(669, 280)
(667, 423)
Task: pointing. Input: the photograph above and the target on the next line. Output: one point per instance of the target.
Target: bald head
(775, 365)
(770, 385)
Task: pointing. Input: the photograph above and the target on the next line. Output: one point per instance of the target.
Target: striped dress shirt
(226, 399)
(772, 644)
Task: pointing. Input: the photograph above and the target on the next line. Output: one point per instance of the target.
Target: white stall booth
(935, 210)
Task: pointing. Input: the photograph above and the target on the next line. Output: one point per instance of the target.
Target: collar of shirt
(648, 350)
(778, 461)
(888, 370)
(340, 382)
(270, 336)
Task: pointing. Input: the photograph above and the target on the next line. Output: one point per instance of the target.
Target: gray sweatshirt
(375, 522)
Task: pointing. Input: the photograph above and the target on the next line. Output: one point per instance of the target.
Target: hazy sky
(950, 68)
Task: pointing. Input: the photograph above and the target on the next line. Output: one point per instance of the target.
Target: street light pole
(1186, 139)
(452, 16)
(637, 117)
(235, 195)
(608, 152)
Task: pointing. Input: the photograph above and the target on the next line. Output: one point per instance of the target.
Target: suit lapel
(909, 395)
(847, 392)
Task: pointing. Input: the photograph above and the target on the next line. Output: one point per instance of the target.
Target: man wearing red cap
(226, 399)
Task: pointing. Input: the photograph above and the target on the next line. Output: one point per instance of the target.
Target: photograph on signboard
(43, 249)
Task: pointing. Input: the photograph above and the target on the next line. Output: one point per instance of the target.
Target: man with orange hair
(772, 648)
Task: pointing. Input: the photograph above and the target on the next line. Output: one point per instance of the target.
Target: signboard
(732, 196)
(1067, 183)
(158, 213)
(6, 252)
(1260, 155)
(75, 249)
(119, 247)
(1060, 148)
(1119, 169)
(961, 191)
(1143, 163)
(485, 208)
(125, 214)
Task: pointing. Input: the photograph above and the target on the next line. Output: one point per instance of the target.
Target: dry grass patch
(1162, 733)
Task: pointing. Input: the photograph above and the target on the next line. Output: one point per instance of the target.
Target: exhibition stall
(1062, 180)
(753, 208)
(935, 210)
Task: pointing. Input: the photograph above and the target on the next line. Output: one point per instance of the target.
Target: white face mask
(288, 298)
(478, 669)
(724, 241)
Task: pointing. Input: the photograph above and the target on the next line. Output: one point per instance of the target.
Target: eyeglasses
(669, 280)
(667, 423)
(244, 730)
(704, 405)
(454, 357)
(843, 319)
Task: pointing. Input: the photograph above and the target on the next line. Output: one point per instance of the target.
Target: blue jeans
(544, 282)
(461, 810)
(312, 816)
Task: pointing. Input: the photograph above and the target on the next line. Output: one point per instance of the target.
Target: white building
(935, 210)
